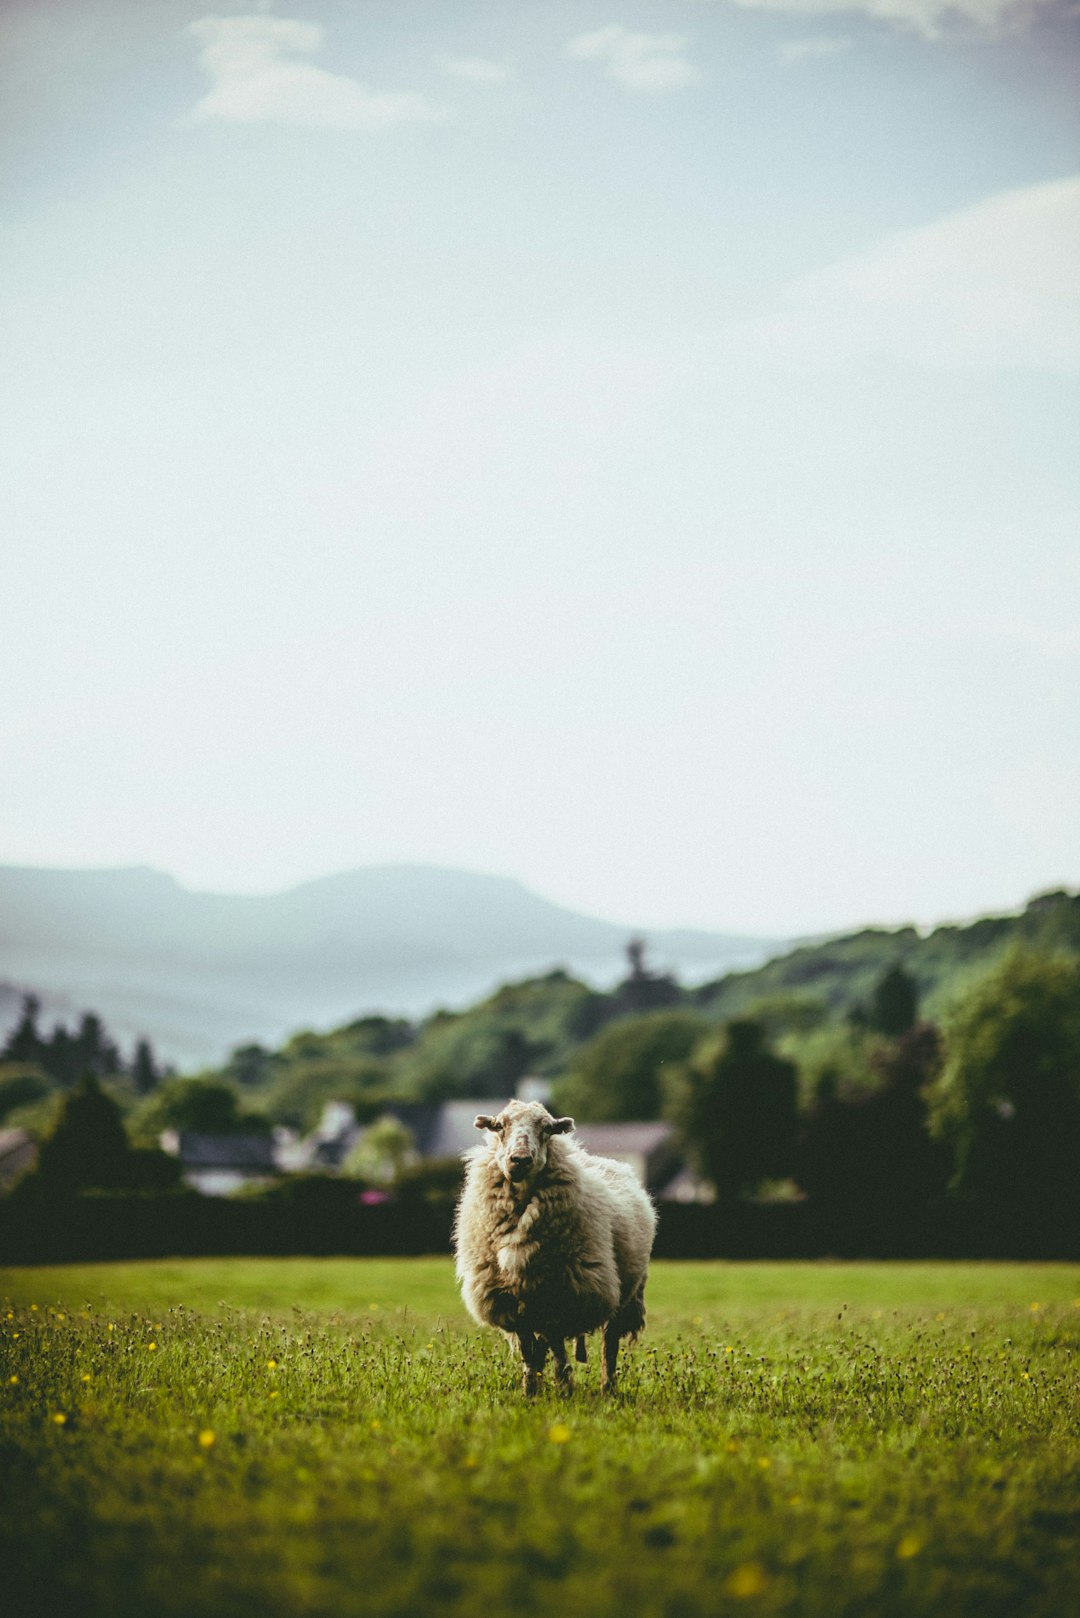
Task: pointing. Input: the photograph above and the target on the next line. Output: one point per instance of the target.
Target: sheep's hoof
(530, 1384)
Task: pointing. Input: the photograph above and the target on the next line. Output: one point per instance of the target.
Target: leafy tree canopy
(620, 1074)
(737, 1106)
(1008, 1097)
(205, 1106)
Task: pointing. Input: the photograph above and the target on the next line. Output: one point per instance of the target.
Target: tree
(24, 1043)
(88, 1145)
(204, 1106)
(95, 1051)
(895, 1002)
(867, 1160)
(61, 1057)
(1007, 1101)
(145, 1075)
(250, 1066)
(382, 1152)
(620, 1074)
(737, 1109)
(643, 989)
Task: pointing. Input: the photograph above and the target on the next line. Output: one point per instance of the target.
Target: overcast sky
(630, 446)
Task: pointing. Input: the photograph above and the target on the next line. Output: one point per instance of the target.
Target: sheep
(551, 1242)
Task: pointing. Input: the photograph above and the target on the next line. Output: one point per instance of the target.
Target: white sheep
(552, 1243)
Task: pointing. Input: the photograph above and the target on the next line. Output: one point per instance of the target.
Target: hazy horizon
(628, 446)
(923, 923)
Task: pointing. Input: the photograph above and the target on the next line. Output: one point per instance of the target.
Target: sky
(627, 446)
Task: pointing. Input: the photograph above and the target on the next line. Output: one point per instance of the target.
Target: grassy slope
(792, 1439)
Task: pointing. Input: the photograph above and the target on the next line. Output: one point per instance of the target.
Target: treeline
(876, 1078)
(67, 1055)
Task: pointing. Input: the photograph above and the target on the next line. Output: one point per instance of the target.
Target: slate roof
(619, 1140)
(445, 1130)
(254, 1152)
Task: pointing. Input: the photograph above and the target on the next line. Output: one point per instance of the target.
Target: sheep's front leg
(564, 1376)
(610, 1356)
(533, 1354)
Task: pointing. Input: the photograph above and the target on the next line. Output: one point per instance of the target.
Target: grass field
(333, 1437)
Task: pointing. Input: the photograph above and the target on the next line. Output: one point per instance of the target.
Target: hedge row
(88, 1227)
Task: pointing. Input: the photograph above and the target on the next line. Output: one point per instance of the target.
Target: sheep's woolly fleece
(552, 1243)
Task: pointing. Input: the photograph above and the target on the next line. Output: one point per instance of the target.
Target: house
(18, 1152)
(218, 1165)
(651, 1149)
(326, 1148)
(447, 1129)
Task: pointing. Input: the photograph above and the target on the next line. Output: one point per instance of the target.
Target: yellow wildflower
(559, 1433)
(60, 1418)
(908, 1547)
(748, 1579)
(207, 1438)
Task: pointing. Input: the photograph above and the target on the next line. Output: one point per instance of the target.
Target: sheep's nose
(520, 1165)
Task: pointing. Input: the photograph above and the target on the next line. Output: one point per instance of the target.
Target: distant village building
(447, 1129)
(218, 1165)
(18, 1153)
(650, 1149)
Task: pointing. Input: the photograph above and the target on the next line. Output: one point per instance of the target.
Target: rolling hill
(200, 972)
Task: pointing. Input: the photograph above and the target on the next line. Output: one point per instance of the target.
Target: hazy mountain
(200, 972)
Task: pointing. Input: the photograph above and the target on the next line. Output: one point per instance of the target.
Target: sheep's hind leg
(610, 1356)
(581, 1353)
(533, 1354)
(564, 1375)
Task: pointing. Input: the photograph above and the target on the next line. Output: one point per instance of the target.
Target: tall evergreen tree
(25, 1044)
(88, 1145)
(895, 1004)
(144, 1069)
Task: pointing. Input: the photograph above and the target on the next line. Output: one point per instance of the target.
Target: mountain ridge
(198, 972)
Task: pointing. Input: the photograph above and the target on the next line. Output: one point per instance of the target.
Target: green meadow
(335, 1437)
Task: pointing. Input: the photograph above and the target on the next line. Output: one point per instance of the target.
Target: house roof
(623, 1140)
(445, 1130)
(226, 1151)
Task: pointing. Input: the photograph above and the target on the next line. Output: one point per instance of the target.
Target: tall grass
(333, 1437)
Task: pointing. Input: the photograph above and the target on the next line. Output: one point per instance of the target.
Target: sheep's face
(519, 1138)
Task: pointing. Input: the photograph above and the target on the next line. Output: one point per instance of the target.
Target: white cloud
(932, 19)
(996, 285)
(801, 50)
(257, 76)
(653, 63)
(477, 69)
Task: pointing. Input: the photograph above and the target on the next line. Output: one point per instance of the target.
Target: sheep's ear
(482, 1121)
(561, 1126)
